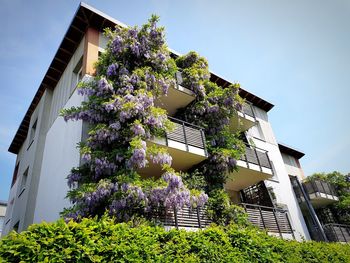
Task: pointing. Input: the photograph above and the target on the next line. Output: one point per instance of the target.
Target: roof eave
(290, 150)
(90, 17)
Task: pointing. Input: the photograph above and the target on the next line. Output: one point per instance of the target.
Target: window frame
(32, 132)
(23, 183)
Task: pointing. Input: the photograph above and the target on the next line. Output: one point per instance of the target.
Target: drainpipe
(311, 209)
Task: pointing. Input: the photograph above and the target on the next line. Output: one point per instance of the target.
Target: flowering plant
(135, 70)
(132, 73)
(213, 108)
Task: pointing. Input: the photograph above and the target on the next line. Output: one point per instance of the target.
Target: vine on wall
(134, 71)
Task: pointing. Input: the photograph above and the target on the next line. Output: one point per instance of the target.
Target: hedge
(102, 240)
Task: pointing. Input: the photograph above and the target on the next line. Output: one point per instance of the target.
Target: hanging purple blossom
(112, 70)
(117, 45)
(138, 159)
(161, 158)
(138, 130)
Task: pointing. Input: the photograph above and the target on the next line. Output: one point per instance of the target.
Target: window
(23, 182)
(15, 227)
(77, 73)
(274, 177)
(272, 194)
(2, 219)
(15, 173)
(32, 133)
(80, 75)
(256, 131)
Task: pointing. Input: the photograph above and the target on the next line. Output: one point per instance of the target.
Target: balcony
(273, 220)
(337, 232)
(254, 166)
(244, 119)
(188, 218)
(185, 144)
(178, 97)
(321, 193)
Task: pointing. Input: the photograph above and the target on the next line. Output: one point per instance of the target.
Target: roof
(87, 16)
(255, 100)
(3, 203)
(290, 151)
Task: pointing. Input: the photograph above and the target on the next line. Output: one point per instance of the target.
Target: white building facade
(46, 149)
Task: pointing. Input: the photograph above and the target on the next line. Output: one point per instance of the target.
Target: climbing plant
(135, 70)
(341, 209)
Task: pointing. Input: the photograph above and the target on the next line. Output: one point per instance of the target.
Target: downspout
(311, 209)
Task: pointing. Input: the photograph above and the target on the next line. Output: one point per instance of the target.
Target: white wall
(9, 211)
(281, 182)
(292, 167)
(60, 156)
(21, 199)
(21, 208)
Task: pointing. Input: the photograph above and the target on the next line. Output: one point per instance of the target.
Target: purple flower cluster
(86, 157)
(175, 195)
(161, 158)
(132, 199)
(138, 159)
(104, 88)
(141, 102)
(138, 130)
(112, 70)
(144, 45)
(117, 45)
(155, 121)
(213, 109)
(198, 201)
(74, 215)
(90, 116)
(115, 125)
(101, 166)
(88, 91)
(94, 199)
(73, 178)
(177, 199)
(102, 136)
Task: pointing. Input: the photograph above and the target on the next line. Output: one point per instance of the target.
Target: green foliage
(194, 180)
(341, 183)
(102, 240)
(221, 211)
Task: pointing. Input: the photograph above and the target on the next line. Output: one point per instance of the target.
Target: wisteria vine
(132, 73)
(212, 109)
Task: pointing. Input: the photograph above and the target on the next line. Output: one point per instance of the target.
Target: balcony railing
(337, 232)
(191, 136)
(319, 186)
(247, 109)
(254, 166)
(183, 218)
(185, 144)
(256, 156)
(274, 220)
(177, 97)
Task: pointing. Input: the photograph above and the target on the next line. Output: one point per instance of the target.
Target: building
(46, 150)
(3, 206)
(313, 196)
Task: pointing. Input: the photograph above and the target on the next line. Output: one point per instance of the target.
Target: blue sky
(294, 54)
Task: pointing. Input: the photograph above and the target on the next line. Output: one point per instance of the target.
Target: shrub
(102, 240)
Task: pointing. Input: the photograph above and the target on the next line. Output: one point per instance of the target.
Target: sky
(294, 54)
